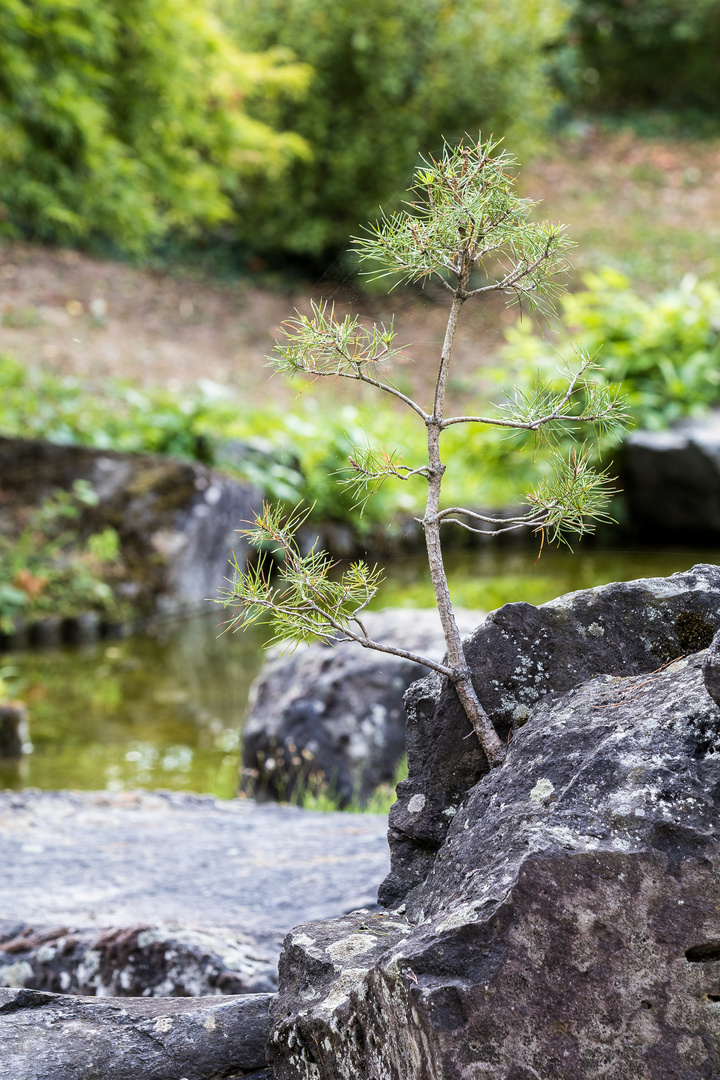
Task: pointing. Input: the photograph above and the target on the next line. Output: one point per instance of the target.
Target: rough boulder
(567, 924)
(334, 716)
(517, 656)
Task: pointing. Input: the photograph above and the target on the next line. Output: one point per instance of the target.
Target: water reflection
(165, 708)
(158, 709)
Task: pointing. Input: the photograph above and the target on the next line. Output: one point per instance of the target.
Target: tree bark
(487, 736)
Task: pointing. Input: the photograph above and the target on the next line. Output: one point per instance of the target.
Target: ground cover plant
(663, 349)
(48, 568)
(466, 227)
(291, 455)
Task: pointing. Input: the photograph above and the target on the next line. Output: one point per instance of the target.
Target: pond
(164, 708)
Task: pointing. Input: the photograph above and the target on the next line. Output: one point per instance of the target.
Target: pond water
(165, 708)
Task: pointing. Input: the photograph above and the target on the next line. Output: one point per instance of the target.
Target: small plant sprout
(467, 229)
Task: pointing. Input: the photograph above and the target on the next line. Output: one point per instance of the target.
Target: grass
(648, 206)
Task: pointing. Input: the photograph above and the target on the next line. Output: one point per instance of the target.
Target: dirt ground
(650, 207)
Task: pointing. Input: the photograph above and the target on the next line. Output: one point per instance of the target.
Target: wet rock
(56, 1037)
(671, 479)
(176, 520)
(517, 656)
(569, 926)
(13, 729)
(136, 961)
(333, 717)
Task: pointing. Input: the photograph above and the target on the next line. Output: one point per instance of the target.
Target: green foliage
(303, 601)
(664, 351)
(390, 76)
(617, 55)
(466, 211)
(48, 570)
(292, 457)
(123, 119)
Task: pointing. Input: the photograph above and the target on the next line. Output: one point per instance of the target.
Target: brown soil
(78, 315)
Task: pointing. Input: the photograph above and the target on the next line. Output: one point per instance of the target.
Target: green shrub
(623, 54)
(46, 569)
(390, 77)
(664, 350)
(292, 456)
(123, 119)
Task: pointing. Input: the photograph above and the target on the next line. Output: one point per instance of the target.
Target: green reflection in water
(165, 709)
(488, 579)
(158, 710)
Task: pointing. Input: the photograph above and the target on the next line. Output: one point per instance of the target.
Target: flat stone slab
(55, 1037)
(100, 859)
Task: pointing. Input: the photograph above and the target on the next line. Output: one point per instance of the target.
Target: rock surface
(136, 961)
(57, 1037)
(569, 926)
(518, 655)
(711, 669)
(671, 479)
(98, 860)
(334, 716)
(176, 520)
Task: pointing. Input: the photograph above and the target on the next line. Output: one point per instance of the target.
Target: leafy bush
(618, 54)
(292, 456)
(664, 351)
(390, 77)
(123, 119)
(47, 570)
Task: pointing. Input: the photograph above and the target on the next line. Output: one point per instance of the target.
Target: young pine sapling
(467, 229)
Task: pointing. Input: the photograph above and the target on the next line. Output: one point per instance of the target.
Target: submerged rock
(517, 656)
(333, 717)
(14, 731)
(568, 926)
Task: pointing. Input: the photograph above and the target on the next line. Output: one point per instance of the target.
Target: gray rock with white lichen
(711, 669)
(334, 716)
(56, 1037)
(134, 961)
(568, 926)
(517, 656)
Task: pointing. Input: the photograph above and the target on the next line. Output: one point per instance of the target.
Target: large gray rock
(711, 669)
(54, 1037)
(671, 479)
(518, 655)
(333, 717)
(569, 926)
(176, 520)
(93, 860)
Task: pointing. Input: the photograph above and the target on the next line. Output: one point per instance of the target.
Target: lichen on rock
(567, 924)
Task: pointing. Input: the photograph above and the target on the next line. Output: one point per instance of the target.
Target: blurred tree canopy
(278, 127)
(391, 77)
(629, 54)
(123, 119)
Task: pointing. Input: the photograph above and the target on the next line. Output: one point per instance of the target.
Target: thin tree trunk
(487, 736)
